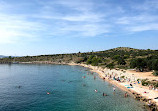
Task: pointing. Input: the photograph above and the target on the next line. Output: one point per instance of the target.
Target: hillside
(121, 57)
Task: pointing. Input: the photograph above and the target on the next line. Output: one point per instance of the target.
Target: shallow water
(69, 91)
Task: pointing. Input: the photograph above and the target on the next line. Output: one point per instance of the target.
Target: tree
(10, 57)
(116, 57)
(121, 61)
(111, 65)
(139, 63)
(89, 61)
(93, 60)
(155, 65)
(155, 73)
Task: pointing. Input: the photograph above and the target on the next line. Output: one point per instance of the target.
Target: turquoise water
(69, 91)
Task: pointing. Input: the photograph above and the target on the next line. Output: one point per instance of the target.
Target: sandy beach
(138, 89)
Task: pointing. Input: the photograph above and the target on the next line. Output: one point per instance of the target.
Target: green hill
(121, 57)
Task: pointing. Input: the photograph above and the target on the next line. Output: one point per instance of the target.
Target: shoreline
(137, 91)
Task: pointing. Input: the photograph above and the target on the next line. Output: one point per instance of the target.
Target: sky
(38, 27)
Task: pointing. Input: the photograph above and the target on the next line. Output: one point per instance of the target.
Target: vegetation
(155, 73)
(146, 82)
(93, 60)
(121, 57)
(111, 65)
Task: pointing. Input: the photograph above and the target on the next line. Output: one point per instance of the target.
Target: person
(96, 90)
(149, 104)
(84, 85)
(114, 88)
(126, 95)
(114, 78)
(94, 77)
(104, 94)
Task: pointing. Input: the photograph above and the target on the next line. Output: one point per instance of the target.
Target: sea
(47, 87)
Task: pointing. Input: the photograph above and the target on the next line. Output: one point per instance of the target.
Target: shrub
(145, 82)
(121, 61)
(122, 77)
(140, 63)
(93, 60)
(155, 84)
(111, 65)
(155, 73)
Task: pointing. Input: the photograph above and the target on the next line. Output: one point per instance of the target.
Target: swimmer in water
(84, 85)
(126, 95)
(104, 94)
(114, 88)
(96, 90)
(84, 77)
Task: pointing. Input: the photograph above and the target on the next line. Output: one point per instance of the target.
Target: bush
(140, 63)
(122, 77)
(145, 82)
(155, 84)
(89, 61)
(155, 73)
(93, 60)
(121, 61)
(155, 65)
(111, 65)
(116, 57)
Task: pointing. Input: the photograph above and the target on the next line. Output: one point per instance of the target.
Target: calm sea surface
(24, 87)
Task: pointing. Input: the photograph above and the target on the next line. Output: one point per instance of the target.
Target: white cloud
(64, 18)
(86, 30)
(80, 5)
(138, 19)
(147, 5)
(138, 23)
(14, 28)
(143, 17)
(145, 27)
(84, 17)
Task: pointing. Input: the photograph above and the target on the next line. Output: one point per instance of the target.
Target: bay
(24, 87)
